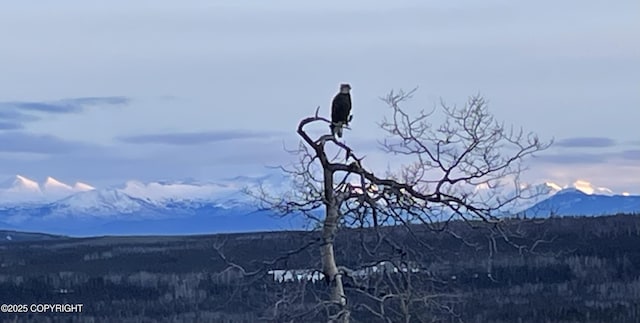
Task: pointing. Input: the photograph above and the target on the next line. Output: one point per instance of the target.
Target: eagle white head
(345, 88)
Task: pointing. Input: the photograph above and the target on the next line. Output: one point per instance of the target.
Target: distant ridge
(572, 201)
(10, 236)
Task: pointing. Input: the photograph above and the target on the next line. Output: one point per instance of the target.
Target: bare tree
(465, 169)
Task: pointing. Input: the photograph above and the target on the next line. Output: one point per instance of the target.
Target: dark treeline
(567, 270)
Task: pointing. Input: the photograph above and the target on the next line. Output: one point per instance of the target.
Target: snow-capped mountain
(189, 206)
(52, 184)
(589, 188)
(20, 184)
(530, 194)
(23, 184)
(578, 198)
(81, 187)
(581, 185)
(102, 203)
(574, 201)
(160, 193)
(21, 189)
(137, 208)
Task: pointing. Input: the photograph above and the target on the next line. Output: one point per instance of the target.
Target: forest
(569, 270)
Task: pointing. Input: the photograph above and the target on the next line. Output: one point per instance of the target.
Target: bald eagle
(341, 110)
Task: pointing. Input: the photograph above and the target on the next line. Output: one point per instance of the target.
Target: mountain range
(575, 202)
(186, 207)
(193, 207)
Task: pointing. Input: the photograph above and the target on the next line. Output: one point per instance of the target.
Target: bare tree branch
(467, 168)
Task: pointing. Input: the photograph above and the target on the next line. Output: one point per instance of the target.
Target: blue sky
(104, 92)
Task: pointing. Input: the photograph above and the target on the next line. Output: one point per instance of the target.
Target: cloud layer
(633, 154)
(10, 125)
(14, 114)
(73, 105)
(196, 138)
(222, 67)
(25, 142)
(225, 155)
(586, 142)
(572, 158)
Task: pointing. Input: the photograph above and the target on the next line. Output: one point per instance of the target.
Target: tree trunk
(329, 266)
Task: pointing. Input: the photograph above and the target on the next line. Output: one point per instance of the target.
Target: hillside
(582, 270)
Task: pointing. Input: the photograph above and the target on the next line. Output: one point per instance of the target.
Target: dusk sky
(108, 91)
